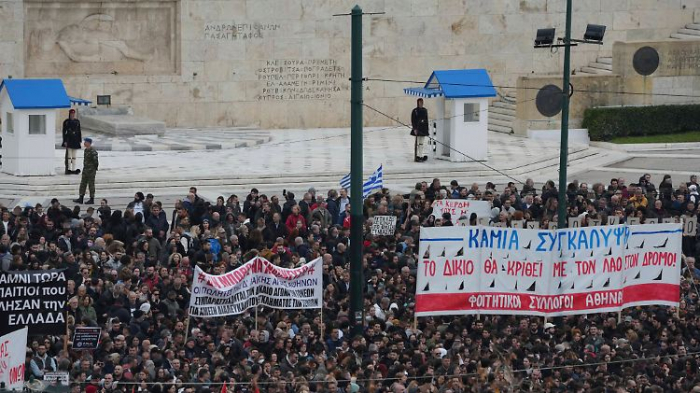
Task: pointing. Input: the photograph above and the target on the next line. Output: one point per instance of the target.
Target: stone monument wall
(286, 63)
(669, 73)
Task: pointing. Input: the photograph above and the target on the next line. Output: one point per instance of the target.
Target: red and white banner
(13, 352)
(257, 282)
(487, 270)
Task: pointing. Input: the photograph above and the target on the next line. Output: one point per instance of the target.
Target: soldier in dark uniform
(419, 123)
(71, 141)
(90, 165)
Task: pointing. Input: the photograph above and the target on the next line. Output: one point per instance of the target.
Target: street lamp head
(594, 33)
(545, 37)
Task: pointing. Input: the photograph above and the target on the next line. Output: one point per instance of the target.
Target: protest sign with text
(86, 337)
(472, 270)
(13, 347)
(33, 298)
(383, 225)
(257, 282)
(461, 207)
(57, 378)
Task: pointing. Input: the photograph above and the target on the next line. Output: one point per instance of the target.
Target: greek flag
(376, 180)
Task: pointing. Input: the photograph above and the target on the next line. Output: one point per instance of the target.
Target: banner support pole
(256, 317)
(65, 340)
(187, 327)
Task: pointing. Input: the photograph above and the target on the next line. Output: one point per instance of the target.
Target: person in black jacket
(72, 138)
(419, 124)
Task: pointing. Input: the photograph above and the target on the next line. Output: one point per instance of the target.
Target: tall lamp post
(545, 39)
(356, 217)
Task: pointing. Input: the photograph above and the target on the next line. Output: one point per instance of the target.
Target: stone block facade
(286, 63)
(673, 79)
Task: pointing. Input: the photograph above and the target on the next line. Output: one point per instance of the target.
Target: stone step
(500, 116)
(62, 186)
(685, 37)
(177, 187)
(605, 60)
(500, 122)
(693, 26)
(689, 31)
(501, 129)
(505, 105)
(509, 99)
(594, 71)
(601, 66)
(504, 113)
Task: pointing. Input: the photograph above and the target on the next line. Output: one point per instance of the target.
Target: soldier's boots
(76, 172)
(79, 200)
(90, 201)
(69, 172)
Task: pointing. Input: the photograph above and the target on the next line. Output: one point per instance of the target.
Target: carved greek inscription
(301, 79)
(232, 31)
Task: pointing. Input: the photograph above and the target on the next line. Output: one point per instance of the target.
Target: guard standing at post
(71, 141)
(419, 124)
(90, 165)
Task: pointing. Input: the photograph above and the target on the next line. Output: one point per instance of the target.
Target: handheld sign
(574, 222)
(690, 226)
(86, 337)
(461, 207)
(383, 225)
(633, 221)
(57, 378)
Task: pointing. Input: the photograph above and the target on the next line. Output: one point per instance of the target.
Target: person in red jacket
(295, 218)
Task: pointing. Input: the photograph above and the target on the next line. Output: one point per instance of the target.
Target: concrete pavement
(298, 159)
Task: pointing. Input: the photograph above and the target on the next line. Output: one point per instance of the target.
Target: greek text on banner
(34, 298)
(13, 347)
(257, 282)
(473, 270)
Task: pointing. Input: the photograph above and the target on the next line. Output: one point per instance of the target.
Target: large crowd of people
(130, 270)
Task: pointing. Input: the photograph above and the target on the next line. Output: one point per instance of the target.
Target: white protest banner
(461, 207)
(13, 352)
(257, 282)
(486, 270)
(383, 225)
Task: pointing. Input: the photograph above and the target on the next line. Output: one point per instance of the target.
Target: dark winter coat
(419, 121)
(72, 137)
